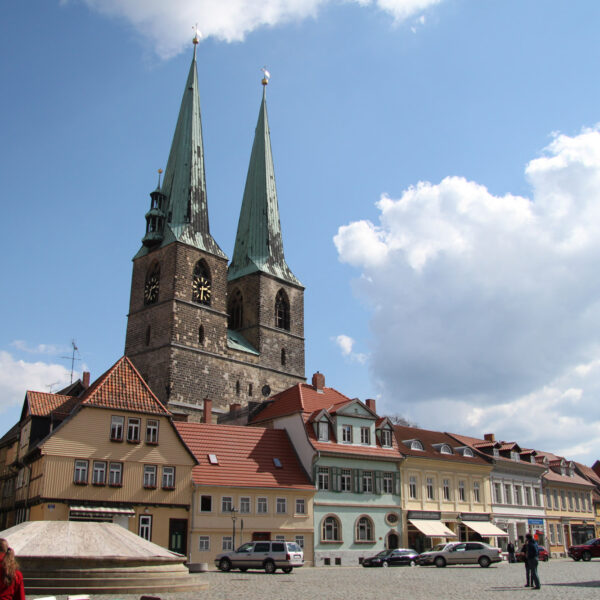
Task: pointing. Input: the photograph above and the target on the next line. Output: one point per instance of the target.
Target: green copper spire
(258, 243)
(184, 183)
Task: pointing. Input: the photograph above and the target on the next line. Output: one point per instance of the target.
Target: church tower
(178, 328)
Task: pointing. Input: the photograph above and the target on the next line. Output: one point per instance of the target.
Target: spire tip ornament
(266, 76)
(197, 35)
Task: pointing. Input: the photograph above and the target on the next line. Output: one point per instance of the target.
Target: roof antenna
(72, 357)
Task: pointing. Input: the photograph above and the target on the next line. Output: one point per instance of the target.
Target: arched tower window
(201, 283)
(282, 311)
(152, 284)
(201, 335)
(283, 357)
(236, 310)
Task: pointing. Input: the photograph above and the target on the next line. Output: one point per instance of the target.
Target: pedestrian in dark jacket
(525, 561)
(531, 556)
(510, 548)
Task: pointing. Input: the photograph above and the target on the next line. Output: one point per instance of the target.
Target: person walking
(526, 562)
(510, 548)
(532, 552)
(11, 579)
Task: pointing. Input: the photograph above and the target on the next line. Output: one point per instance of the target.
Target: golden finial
(159, 174)
(266, 76)
(197, 35)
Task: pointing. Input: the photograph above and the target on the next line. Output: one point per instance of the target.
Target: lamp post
(233, 519)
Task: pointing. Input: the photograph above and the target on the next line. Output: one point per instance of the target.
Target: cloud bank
(486, 309)
(168, 25)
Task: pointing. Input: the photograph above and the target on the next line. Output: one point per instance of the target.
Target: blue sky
(438, 172)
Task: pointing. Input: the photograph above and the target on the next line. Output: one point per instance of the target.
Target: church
(198, 325)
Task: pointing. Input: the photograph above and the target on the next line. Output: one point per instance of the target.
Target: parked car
(269, 556)
(543, 555)
(460, 553)
(587, 551)
(392, 558)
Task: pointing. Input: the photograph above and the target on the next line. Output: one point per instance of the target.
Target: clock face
(151, 290)
(201, 289)
(266, 390)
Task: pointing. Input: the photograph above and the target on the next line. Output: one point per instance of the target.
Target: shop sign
(423, 514)
(474, 517)
(535, 521)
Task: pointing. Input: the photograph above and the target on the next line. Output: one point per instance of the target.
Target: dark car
(543, 555)
(392, 558)
(587, 551)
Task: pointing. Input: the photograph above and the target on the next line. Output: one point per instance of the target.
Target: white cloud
(38, 349)
(18, 376)
(168, 25)
(479, 300)
(346, 345)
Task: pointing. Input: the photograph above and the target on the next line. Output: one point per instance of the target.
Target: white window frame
(149, 476)
(133, 429)
(117, 425)
(262, 506)
(388, 482)
(364, 530)
(245, 505)
(99, 472)
(365, 436)
(386, 438)
(413, 493)
(227, 543)
(323, 427)
(476, 492)
(281, 506)
(331, 529)
(367, 482)
(115, 474)
(80, 474)
(461, 491)
(346, 480)
(446, 490)
(152, 431)
(430, 488)
(347, 434)
(168, 477)
(145, 527)
(226, 504)
(300, 506)
(299, 539)
(323, 478)
(203, 543)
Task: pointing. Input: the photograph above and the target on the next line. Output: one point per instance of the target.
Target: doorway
(178, 536)
(392, 541)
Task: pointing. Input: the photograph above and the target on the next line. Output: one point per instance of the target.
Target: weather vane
(159, 174)
(266, 76)
(197, 34)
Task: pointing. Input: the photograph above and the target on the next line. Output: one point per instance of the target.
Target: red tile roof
(245, 456)
(42, 404)
(588, 473)
(123, 388)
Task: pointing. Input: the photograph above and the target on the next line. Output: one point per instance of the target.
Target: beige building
(248, 485)
(110, 453)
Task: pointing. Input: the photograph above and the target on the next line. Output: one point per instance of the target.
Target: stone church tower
(197, 329)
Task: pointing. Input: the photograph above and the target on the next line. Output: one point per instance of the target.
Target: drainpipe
(191, 522)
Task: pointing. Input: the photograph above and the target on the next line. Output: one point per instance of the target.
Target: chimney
(371, 404)
(207, 413)
(489, 437)
(235, 407)
(318, 381)
(86, 379)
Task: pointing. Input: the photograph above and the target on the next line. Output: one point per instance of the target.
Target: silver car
(269, 556)
(461, 553)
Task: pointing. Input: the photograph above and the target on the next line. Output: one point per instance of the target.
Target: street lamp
(233, 519)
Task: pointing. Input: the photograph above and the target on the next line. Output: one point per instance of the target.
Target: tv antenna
(72, 357)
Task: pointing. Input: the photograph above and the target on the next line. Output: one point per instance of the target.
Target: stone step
(136, 588)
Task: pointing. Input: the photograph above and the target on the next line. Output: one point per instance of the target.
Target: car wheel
(270, 567)
(546, 558)
(412, 563)
(385, 564)
(577, 558)
(484, 561)
(225, 565)
(440, 561)
(587, 555)
(287, 569)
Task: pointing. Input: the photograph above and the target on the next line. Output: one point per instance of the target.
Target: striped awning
(432, 528)
(101, 511)
(485, 528)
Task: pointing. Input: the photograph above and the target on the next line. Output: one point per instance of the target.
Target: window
(537, 497)
(386, 438)
(461, 491)
(330, 531)
(589, 502)
(282, 311)
(364, 530)
(152, 431)
(201, 336)
(261, 506)
(446, 489)
(518, 494)
(416, 445)
(476, 492)
(203, 543)
(528, 496)
(346, 480)
(201, 284)
(238, 388)
(281, 506)
(300, 506)
(277, 463)
(323, 480)
(236, 310)
(116, 428)
(367, 481)
(347, 434)
(388, 483)
(559, 533)
(133, 430)
(552, 536)
(323, 431)
(283, 358)
(278, 547)
(508, 493)
(205, 503)
(226, 504)
(576, 500)
(145, 530)
(81, 472)
(149, 476)
(570, 501)
(563, 500)
(430, 491)
(549, 499)
(168, 478)
(99, 472)
(468, 453)
(300, 541)
(497, 493)
(244, 505)
(365, 435)
(412, 487)
(115, 474)
(445, 449)
(227, 543)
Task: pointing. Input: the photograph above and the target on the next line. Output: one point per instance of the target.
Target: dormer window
(496, 452)
(532, 459)
(323, 431)
(386, 438)
(445, 449)
(468, 452)
(416, 445)
(515, 456)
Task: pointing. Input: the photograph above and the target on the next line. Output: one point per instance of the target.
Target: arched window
(201, 283)
(468, 452)
(282, 311)
(236, 310)
(445, 449)
(364, 530)
(416, 445)
(283, 357)
(148, 335)
(201, 335)
(330, 531)
(151, 286)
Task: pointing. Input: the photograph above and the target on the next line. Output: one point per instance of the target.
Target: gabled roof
(588, 473)
(123, 388)
(428, 439)
(42, 404)
(245, 456)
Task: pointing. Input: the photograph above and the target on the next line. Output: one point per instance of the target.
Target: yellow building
(445, 490)
(248, 485)
(108, 454)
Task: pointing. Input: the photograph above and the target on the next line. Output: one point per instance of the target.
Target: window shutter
(359, 474)
(397, 484)
(357, 486)
(335, 479)
(378, 487)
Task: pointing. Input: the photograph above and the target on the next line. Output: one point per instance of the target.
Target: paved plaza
(561, 578)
